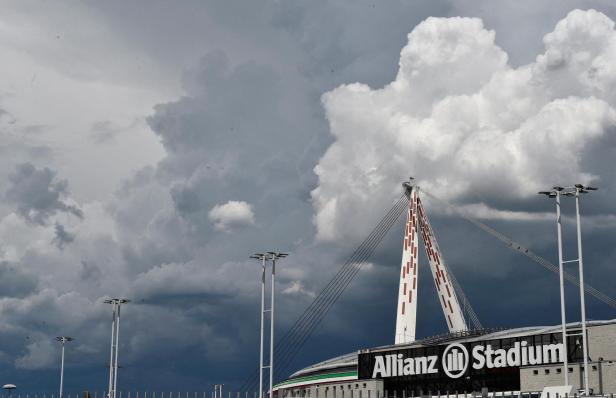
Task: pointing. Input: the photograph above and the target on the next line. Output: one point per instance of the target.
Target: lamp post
(555, 193)
(9, 388)
(263, 258)
(273, 256)
(574, 191)
(579, 188)
(113, 322)
(218, 390)
(115, 333)
(63, 340)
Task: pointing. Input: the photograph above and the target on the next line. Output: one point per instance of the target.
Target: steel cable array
(604, 298)
(292, 342)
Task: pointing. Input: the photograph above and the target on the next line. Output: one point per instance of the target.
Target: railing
(331, 392)
(135, 394)
(320, 392)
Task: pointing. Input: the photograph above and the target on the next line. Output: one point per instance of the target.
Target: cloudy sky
(149, 147)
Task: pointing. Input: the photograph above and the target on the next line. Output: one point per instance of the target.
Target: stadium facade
(467, 359)
(514, 360)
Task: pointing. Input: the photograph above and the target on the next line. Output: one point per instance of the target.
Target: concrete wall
(601, 377)
(601, 342)
(602, 373)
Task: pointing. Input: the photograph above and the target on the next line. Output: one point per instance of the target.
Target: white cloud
(231, 214)
(298, 288)
(466, 124)
(54, 58)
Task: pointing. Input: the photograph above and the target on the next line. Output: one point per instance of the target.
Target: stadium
(468, 358)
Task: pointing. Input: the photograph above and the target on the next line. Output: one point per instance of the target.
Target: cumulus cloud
(155, 241)
(468, 125)
(297, 287)
(38, 194)
(231, 214)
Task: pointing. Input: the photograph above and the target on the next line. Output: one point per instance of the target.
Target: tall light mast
(63, 340)
(115, 333)
(263, 258)
(573, 191)
(579, 188)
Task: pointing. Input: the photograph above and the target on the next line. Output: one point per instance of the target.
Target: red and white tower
(406, 320)
(407, 295)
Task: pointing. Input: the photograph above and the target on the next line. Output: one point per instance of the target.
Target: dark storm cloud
(343, 41)
(253, 131)
(249, 127)
(14, 282)
(224, 142)
(38, 194)
(62, 236)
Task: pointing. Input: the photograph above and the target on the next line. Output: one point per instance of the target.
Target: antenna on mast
(408, 187)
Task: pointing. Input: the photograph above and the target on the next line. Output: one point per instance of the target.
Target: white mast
(443, 282)
(406, 318)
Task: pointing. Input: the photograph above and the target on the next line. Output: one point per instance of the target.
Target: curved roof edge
(350, 359)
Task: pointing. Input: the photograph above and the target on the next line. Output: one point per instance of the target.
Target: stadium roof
(350, 359)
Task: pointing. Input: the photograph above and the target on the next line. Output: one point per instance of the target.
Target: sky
(148, 148)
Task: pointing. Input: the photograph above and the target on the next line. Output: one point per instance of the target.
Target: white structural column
(63, 340)
(262, 325)
(117, 345)
(271, 358)
(582, 299)
(263, 259)
(113, 326)
(447, 294)
(562, 288)
(62, 372)
(557, 192)
(273, 256)
(406, 315)
(115, 333)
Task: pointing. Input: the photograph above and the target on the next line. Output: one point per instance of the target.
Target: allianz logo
(455, 360)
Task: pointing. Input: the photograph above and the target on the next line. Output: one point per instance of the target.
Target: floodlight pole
(218, 390)
(62, 371)
(113, 326)
(582, 289)
(63, 340)
(117, 336)
(273, 256)
(562, 288)
(556, 193)
(576, 190)
(271, 358)
(263, 258)
(115, 333)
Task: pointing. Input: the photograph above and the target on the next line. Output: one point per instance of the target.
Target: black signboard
(451, 367)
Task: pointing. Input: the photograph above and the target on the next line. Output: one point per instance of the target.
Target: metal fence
(307, 393)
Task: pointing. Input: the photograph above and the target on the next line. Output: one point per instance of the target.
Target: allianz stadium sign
(456, 360)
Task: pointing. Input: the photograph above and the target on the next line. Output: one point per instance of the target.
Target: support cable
(295, 338)
(354, 269)
(513, 245)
